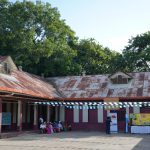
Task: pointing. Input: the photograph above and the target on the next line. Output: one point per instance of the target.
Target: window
(120, 80)
(6, 68)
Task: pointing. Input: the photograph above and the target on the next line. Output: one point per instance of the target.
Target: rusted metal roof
(24, 83)
(100, 86)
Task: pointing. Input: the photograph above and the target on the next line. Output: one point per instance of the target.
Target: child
(43, 127)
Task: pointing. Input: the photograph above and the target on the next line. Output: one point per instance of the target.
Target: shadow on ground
(144, 143)
(77, 135)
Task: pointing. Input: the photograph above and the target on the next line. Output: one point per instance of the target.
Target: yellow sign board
(140, 119)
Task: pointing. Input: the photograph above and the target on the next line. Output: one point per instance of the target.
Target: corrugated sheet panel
(25, 83)
(97, 86)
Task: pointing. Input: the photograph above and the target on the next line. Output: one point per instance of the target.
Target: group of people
(46, 128)
(49, 128)
(57, 126)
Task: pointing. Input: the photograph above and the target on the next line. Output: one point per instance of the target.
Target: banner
(114, 123)
(109, 106)
(6, 118)
(140, 119)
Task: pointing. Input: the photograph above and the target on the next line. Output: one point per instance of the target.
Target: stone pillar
(0, 115)
(48, 113)
(19, 121)
(35, 124)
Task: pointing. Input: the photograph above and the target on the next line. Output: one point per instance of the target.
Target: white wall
(85, 114)
(100, 112)
(76, 114)
(62, 113)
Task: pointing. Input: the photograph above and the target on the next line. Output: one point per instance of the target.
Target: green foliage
(37, 39)
(33, 34)
(137, 53)
(93, 57)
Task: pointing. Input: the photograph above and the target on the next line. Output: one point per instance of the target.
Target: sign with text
(140, 119)
(114, 123)
(6, 118)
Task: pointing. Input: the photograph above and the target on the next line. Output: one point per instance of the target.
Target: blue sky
(110, 22)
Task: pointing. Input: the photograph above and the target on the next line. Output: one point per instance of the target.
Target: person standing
(108, 121)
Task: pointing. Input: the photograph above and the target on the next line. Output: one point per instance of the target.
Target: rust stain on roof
(100, 86)
(24, 83)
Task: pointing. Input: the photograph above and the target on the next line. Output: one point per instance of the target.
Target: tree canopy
(32, 33)
(137, 53)
(37, 39)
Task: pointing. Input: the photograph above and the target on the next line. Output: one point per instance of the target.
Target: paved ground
(77, 141)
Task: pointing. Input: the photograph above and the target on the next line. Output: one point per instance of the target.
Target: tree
(137, 53)
(35, 36)
(41, 42)
(93, 57)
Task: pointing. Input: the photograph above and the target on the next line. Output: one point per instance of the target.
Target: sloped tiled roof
(100, 86)
(24, 83)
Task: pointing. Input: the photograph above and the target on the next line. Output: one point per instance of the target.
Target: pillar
(0, 115)
(48, 113)
(19, 121)
(127, 111)
(35, 124)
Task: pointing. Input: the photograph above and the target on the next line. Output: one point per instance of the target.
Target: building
(19, 91)
(83, 102)
(122, 93)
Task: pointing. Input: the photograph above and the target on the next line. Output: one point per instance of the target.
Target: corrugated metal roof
(100, 86)
(28, 84)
